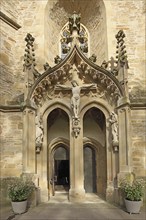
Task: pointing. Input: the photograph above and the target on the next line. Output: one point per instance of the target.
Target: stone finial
(29, 56)
(121, 52)
(74, 22)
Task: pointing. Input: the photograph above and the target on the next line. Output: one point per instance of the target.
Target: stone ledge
(10, 108)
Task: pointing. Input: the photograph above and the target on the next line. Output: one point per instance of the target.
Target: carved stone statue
(39, 131)
(75, 100)
(114, 124)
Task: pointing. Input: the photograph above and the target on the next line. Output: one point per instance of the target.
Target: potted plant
(19, 189)
(133, 191)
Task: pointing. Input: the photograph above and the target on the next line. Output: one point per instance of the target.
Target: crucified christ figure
(75, 99)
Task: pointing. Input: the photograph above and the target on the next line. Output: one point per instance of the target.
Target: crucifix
(75, 99)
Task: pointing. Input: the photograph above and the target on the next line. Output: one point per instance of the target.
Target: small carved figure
(114, 124)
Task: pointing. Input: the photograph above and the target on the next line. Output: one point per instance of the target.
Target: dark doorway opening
(62, 172)
(61, 169)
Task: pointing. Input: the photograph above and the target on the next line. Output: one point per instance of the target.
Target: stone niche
(92, 17)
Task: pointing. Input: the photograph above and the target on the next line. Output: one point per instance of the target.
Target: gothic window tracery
(67, 40)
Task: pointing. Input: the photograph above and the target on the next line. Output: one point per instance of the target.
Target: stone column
(110, 165)
(43, 182)
(124, 139)
(29, 154)
(76, 192)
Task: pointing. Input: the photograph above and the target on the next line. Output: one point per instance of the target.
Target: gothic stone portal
(75, 104)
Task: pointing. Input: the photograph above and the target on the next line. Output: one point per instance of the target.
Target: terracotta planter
(19, 207)
(133, 206)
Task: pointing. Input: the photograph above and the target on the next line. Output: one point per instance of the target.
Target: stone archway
(94, 131)
(97, 135)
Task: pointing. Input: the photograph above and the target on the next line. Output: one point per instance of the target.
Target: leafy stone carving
(57, 59)
(93, 58)
(47, 66)
(111, 66)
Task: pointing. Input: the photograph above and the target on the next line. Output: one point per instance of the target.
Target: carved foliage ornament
(45, 89)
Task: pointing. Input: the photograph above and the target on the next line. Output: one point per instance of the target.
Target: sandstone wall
(138, 146)
(30, 18)
(7, 54)
(11, 144)
(129, 15)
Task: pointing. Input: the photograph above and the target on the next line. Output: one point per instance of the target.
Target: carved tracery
(67, 36)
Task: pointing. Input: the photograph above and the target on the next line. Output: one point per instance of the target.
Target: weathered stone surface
(4, 58)
(138, 153)
(11, 144)
(7, 45)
